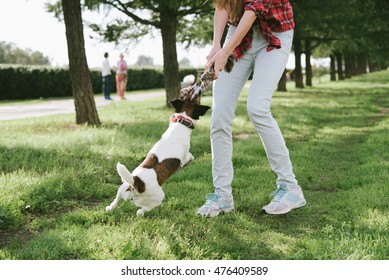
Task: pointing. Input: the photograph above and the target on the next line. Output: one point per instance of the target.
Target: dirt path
(63, 106)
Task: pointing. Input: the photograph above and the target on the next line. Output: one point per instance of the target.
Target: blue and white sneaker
(216, 204)
(284, 200)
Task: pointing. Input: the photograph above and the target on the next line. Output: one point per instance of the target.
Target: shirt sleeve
(259, 7)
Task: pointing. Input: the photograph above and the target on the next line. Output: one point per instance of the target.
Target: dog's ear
(199, 111)
(177, 105)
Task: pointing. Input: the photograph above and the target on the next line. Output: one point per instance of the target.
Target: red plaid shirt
(272, 15)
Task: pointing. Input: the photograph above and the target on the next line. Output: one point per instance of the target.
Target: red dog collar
(182, 120)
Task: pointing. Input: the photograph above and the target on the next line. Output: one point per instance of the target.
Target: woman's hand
(220, 57)
(212, 52)
(218, 60)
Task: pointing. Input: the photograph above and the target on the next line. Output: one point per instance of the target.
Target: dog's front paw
(108, 209)
(140, 213)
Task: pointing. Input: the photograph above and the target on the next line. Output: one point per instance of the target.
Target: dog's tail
(125, 174)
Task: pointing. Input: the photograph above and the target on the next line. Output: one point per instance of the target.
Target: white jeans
(268, 68)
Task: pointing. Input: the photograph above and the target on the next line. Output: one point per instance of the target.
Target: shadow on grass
(338, 148)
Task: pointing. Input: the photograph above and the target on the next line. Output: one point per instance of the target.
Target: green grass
(56, 179)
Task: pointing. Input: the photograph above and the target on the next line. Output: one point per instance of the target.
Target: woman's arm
(219, 23)
(219, 59)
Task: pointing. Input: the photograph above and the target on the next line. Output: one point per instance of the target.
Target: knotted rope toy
(206, 78)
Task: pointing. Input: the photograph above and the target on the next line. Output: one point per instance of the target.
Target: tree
(86, 111)
(184, 62)
(173, 18)
(144, 60)
(332, 68)
(298, 72)
(282, 82)
(353, 33)
(313, 25)
(11, 54)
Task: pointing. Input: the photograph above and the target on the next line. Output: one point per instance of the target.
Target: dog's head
(189, 104)
(191, 107)
(189, 101)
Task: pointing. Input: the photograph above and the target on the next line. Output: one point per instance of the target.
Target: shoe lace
(279, 193)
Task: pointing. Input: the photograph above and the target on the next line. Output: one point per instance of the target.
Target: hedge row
(32, 83)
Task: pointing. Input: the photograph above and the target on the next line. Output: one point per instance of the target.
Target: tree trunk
(348, 66)
(170, 64)
(298, 71)
(339, 64)
(282, 82)
(353, 61)
(383, 65)
(79, 72)
(362, 63)
(332, 68)
(372, 66)
(308, 65)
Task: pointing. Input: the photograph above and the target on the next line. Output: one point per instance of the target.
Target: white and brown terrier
(143, 185)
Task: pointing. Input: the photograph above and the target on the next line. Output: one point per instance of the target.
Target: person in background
(260, 36)
(106, 73)
(121, 77)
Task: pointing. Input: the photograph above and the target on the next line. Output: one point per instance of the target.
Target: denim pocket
(286, 38)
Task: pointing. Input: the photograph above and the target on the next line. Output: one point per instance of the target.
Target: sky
(27, 24)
